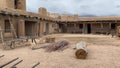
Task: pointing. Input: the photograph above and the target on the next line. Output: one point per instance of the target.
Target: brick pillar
(65, 28)
(109, 25)
(84, 28)
(21, 28)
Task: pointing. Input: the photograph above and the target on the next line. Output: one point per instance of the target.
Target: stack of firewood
(58, 46)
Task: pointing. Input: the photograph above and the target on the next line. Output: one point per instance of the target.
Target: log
(35, 47)
(81, 52)
(58, 46)
(14, 66)
(2, 56)
(35, 65)
(8, 63)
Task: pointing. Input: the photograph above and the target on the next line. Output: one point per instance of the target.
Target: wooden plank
(1, 35)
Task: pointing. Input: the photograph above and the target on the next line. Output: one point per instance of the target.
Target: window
(15, 4)
(7, 26)
(80, 26)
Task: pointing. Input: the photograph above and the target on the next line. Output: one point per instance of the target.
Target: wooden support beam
(21, 28)
(1, 35)
(35, 65)
(109, 25)
(101, 25)
(84, 28)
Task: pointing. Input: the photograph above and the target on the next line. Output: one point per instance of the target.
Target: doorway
(113, 26)
(30, 28)
(47, 28)
(88, 28)
(63, 28)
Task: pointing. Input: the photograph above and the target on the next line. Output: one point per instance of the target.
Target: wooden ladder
(13, 31)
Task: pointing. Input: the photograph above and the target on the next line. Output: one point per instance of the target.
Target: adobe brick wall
(42, 11)
(22, 4)
(3, 4)
(10, 4)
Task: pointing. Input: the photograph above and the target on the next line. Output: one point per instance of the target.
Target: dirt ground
(103, 52)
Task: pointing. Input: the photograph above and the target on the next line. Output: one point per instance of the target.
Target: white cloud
(82, 7)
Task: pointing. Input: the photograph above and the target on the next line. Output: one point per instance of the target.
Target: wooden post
(1, 35)
(39, 29)
(101, 25)
(109, 25)
(84, 28)
(65, 28)
(14, 66)
(35, 65)
(8, 63)
(75, 28)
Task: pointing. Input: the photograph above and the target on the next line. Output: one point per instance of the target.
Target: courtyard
(103, 52)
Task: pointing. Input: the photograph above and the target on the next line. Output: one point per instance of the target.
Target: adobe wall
(52, 27)
(19, 25)
(100, 28)
(11, 4)
(42, 27)
(21, 4)
(2, 24)
(3, 4)
(67, 17)
(43, 11)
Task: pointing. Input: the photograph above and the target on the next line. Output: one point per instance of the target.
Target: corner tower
(14, 4)
(20, 4)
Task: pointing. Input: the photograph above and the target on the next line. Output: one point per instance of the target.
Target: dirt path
(104, 52)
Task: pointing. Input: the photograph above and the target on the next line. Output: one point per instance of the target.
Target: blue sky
(81, 7)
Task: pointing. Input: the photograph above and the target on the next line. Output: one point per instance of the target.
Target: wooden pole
(14, 66)
(35, 65)
(2, 56)
(1, 35)
(8, 63)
